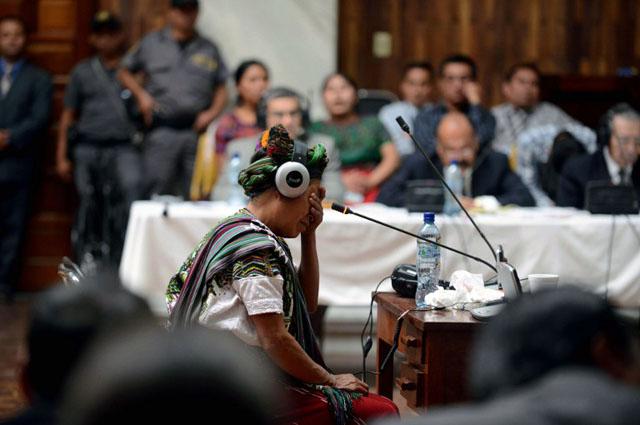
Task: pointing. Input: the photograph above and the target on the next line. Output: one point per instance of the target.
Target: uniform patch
(203, 61)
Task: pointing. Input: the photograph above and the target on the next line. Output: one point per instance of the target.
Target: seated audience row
(131, 123)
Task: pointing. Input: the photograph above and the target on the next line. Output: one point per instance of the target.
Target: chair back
(370, 101)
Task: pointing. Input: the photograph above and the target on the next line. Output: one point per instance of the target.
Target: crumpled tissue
(468, 288)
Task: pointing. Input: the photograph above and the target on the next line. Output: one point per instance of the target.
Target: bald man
(488, 178)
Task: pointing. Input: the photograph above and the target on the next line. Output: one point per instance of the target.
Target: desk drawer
(411, 385)
(413, 344)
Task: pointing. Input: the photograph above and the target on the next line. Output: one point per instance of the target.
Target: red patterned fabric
(230, 128)
(310, 408)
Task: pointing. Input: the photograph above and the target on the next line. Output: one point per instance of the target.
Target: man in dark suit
(25, 100)
(616, 160)
(486, 175)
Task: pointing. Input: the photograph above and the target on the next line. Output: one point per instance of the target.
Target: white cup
(539, 282)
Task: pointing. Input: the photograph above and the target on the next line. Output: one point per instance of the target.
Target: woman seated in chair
(367, 152)
(241, 278)
(252, 79)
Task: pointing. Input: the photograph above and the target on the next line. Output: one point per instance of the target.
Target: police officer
(102, 160)
(183, 92)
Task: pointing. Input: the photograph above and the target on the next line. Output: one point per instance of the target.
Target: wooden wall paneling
(565, 37)
(139, 16)
(349, 31)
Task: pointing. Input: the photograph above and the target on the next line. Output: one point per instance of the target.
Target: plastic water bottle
(427, 260)
(235, 194)
(455, 180)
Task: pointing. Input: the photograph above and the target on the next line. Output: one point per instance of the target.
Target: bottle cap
(429, 217)
(454, 162)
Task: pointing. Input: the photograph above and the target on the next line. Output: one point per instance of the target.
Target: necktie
(5, 83)
(623, 177)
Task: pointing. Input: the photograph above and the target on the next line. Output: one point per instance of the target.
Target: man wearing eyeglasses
(281, 105)
(615, 161)
(488, 180)
(458, 85)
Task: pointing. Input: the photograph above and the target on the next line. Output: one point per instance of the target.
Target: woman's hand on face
(315, 210)
(349, 382)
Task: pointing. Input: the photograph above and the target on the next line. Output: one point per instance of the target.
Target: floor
(13, 321)
(341, 352)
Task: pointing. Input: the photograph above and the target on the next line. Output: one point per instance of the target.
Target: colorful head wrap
(276, 148)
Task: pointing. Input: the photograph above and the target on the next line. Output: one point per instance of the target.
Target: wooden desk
(436, 344)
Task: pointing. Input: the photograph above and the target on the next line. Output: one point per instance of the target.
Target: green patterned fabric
(239, 246)
(359, 143)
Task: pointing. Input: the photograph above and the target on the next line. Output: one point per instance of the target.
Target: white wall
(297, 39)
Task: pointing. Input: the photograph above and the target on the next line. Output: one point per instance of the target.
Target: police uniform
(103, 155)
(182, 78)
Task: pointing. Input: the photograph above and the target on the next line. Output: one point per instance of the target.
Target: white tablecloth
(355, 254)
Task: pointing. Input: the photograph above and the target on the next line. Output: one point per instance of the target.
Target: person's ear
(506, 90)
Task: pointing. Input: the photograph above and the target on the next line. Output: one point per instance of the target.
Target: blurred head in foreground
(543, 332)
(152, 376)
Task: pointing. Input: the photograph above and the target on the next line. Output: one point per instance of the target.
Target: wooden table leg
(384, 378)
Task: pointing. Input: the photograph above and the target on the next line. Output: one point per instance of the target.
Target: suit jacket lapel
(17, 83)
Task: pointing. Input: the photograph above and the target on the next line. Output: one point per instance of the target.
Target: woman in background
(367, 152)
(252, 79)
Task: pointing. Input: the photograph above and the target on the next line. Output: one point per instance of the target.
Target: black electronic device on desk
(404, 280)
(602, 197)
(424, 195)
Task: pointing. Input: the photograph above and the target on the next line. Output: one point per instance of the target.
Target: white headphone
(292, 177)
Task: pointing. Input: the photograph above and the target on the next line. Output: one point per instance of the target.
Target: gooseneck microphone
(405, 127)
(346, 210)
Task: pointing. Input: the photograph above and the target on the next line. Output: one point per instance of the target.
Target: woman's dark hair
(245, 65)
(349, 80)
(539, 333)
(242, 69)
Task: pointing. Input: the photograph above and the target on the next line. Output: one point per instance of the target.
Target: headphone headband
(299, 152)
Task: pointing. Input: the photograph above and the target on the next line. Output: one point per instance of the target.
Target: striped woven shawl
(232, 239)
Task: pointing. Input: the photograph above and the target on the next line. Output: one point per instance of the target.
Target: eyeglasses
(626, 140)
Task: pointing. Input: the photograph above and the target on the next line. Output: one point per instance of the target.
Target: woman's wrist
(330, 381)
(308, 238)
